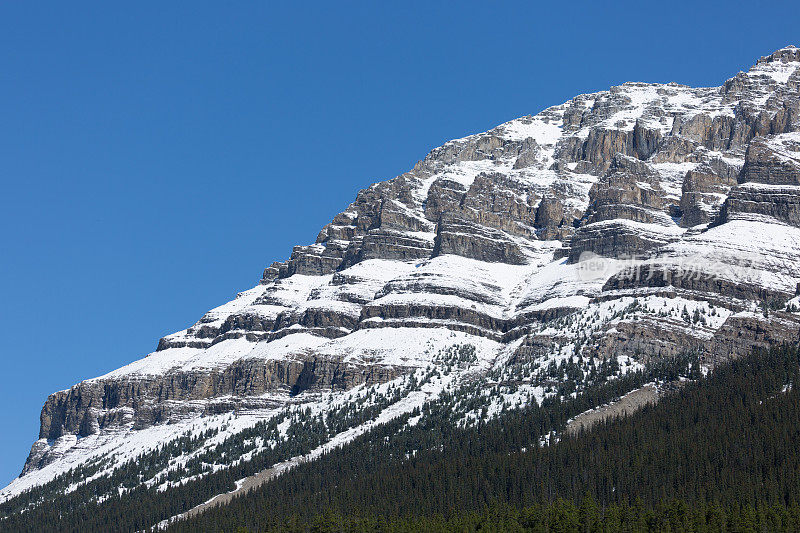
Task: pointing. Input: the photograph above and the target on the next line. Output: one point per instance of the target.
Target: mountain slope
(742, 455)
(539, 259)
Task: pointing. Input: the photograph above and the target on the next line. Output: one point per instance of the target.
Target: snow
(402, 346)
(559, 280)
(672, 175)
(669, 229)
(778, 71)
(786, 147)
(748, 251)
(242, 300)
(769, 187)
(544, 133)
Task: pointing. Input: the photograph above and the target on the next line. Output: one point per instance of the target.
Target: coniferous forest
(720, 454)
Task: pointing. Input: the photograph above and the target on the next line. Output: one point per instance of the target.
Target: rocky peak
(787, 54)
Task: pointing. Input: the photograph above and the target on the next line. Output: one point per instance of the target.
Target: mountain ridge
(630, 225)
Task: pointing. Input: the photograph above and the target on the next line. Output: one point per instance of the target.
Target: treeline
(90, 508)
(721, 454)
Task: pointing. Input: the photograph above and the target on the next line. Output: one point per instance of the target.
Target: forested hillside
(722, 454)
(437, 425)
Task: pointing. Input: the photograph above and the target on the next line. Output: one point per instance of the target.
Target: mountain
(641, 234)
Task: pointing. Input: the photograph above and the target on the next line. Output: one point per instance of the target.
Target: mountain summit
(584, 243)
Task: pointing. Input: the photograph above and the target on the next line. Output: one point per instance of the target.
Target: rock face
(645, 220)
(773, 160)
(93, 405)
(770, 181)
(778, 203)
(703, 192)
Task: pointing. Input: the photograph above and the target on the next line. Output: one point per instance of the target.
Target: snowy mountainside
(531, 261)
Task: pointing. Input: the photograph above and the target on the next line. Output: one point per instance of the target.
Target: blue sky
(156, 156)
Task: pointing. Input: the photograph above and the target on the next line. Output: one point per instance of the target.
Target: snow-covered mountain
(615, 229)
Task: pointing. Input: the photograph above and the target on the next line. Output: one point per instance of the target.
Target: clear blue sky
(155, 156)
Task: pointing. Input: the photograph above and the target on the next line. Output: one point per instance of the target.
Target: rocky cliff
(634, 223)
